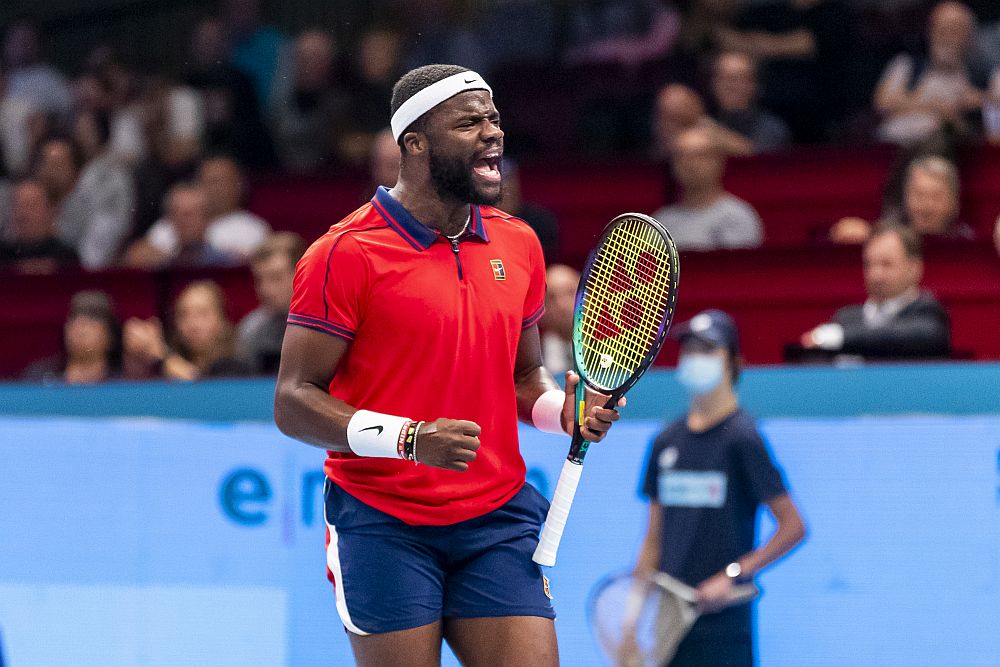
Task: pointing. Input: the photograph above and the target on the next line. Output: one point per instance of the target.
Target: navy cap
(712, 326)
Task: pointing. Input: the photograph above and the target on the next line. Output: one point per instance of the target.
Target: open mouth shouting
(487, 166)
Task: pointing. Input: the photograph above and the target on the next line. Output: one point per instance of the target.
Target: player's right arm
(304, 409)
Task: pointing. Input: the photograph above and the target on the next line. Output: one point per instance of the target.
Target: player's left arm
(531, 381)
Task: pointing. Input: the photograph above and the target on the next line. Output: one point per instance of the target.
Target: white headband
(433, 95)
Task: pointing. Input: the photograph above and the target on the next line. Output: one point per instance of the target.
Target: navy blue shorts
(389, 575)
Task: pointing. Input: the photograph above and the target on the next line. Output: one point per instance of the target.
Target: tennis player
(706, 477)
(412, 350)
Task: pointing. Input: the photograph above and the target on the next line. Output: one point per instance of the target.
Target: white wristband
(546, 413)
(374, 434)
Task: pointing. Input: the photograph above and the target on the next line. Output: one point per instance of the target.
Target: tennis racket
(624, 306)
(640, 621)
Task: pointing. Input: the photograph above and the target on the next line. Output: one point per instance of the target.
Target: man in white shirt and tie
(899, 320)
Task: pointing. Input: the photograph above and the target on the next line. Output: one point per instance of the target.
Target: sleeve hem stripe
(533, 318)
(319, 325)
(322, 322)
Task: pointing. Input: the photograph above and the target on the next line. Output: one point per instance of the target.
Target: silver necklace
(457, 236)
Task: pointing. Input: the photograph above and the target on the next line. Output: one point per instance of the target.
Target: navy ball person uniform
(710, 485)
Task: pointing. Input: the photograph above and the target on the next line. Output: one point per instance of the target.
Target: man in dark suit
(899, 320)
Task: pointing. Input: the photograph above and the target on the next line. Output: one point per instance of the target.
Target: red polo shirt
(434, 330)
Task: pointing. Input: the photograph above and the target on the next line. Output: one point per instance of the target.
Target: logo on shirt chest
(692, 488)
(499, 273)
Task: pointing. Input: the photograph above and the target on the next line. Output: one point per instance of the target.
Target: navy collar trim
(414, 232)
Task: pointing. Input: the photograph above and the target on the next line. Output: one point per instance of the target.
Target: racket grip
(555, 521)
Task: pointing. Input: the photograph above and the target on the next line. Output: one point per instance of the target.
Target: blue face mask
(700, 373)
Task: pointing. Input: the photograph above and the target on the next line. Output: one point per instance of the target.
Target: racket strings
(621, 250)
(616, 354)
(631, 280)
(637, 624)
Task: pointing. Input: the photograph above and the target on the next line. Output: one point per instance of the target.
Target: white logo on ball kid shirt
(668, 457)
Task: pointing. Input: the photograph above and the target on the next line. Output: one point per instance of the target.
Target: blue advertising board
(165, 541)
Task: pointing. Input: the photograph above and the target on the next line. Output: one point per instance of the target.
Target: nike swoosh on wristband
(370, 428)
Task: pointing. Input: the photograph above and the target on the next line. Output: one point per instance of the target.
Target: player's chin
(486, 189)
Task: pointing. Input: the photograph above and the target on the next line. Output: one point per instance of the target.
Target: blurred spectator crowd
(106, 164)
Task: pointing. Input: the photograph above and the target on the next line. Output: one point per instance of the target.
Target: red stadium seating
(775, 292)
(34, 307)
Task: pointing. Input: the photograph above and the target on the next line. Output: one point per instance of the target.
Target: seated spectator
(232, 233)
(173, 127)
(96, 216)
(94, 200)
(307, 110)
(561, 282)
(942, 90)
(32, 245)
(540, 219)
(18, 115)
(679, 108)
(57, 167)
(231, 229)
(931, 199)
(707, 217)
(703, 23)
(930, 205)
(734, 92)
(92, 344)
(179, 238)
(374, 71)
(259, 51)
(233, 123)
(200, 346)
(804, 49)
(107, 88)
(260, 333)
(30, 77)
(898, 320)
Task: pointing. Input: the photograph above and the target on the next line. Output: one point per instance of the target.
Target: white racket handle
(555, 521)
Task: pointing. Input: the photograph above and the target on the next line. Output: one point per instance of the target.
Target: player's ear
(415, 142)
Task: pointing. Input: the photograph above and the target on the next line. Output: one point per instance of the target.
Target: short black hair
(412, 83)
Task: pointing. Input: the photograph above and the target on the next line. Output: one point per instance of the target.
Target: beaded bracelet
(408, 440)
(401, 442)
(416, 431)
